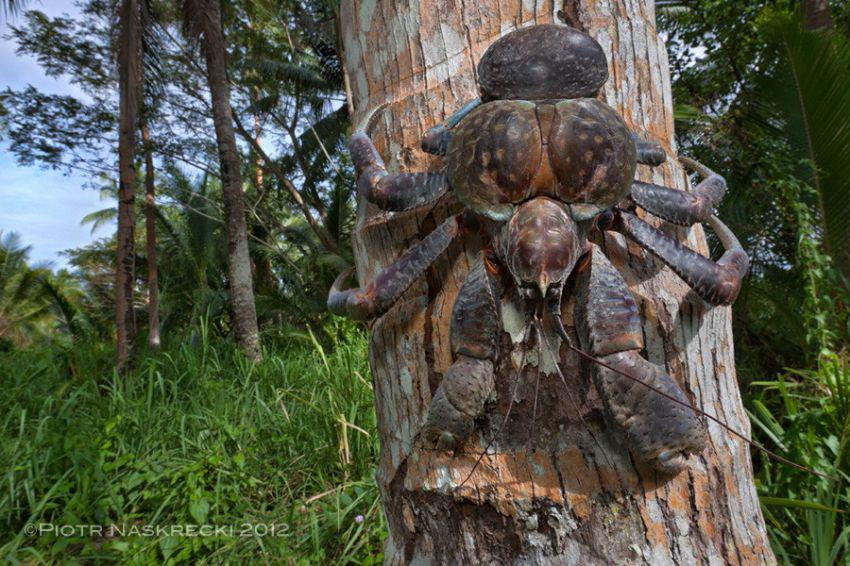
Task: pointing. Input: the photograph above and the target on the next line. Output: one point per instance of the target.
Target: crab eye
(604, 220)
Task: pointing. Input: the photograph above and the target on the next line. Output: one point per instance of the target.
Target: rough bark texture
(129, 78)
(243, 309)
(817, 14)
(150, 238)
(578, 499)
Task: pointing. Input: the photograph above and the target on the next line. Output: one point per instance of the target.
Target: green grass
(806, 416)
(197, 436)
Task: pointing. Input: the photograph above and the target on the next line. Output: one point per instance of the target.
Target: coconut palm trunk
(129, 80)
(817, 14)
(571, 494)
(154, 339)
(205, 18)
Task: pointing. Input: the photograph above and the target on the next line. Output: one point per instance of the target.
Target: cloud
(45, 207)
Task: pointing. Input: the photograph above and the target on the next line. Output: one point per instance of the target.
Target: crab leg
(680, 207)
(468, 384)
(660, 432)
(718, 283)
(392, 191)
(436, 140)
(383, 292)
(649, 153)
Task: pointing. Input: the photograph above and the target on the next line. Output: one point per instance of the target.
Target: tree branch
(327, 240)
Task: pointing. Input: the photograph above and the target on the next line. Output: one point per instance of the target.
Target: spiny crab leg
(718, 283)
(649, 153)
(660, 433)
(680, 207)
(469, 382)
(392, 191)
(380, 295)
(436, 140)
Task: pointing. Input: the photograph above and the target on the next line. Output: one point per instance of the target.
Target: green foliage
(197, 436)
(804, 96)
(766, 104)
(807, 415)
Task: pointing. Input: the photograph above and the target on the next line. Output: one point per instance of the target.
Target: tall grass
(197, 436)
(806, 414)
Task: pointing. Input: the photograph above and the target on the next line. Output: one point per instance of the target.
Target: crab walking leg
(680, 207)
(718, 283)
(392, 191)
(649, 153)
(436, 140)
(659, 431)
(382, 293)
(469, 383)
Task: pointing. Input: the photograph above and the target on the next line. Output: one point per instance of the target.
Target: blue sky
(44, 207)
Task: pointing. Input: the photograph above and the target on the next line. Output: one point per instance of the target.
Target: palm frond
(9, 8)
(805, 97)
(100, 218)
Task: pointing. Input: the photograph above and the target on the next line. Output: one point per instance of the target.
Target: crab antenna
(562, 331)
(560, 373)
(510, 406)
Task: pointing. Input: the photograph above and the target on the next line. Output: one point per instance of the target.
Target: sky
(45, 207)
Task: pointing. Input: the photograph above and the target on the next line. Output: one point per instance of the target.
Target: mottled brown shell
(541, 243)
(592, 153)
(494, 156)
(544, 62)
(508, 151)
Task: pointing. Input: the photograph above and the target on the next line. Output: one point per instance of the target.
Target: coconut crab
(543, 168)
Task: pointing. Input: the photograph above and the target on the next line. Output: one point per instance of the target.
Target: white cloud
(44, 207)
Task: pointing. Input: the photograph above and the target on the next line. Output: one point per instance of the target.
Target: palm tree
(804, 99)
(21, 306)
(150, 236)
(817, 14)
(129, 81)
(203, 18)
(153, 87)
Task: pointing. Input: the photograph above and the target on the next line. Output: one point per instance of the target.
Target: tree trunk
(129, 78)
(150, 238)
(244, 311)
(817, 14)
(578, 498)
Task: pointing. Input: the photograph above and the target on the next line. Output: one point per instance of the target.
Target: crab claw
(347, 302)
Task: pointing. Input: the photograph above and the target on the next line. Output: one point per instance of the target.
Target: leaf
(167, 545)
(199, 509)
(797, 504)
(805, 98)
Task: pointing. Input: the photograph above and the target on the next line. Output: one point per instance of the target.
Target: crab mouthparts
(542, 246)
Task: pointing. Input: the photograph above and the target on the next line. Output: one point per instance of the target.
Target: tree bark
(577, 498)
(129, 79)
(817, 14)
(154, 339)
(243, 308)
